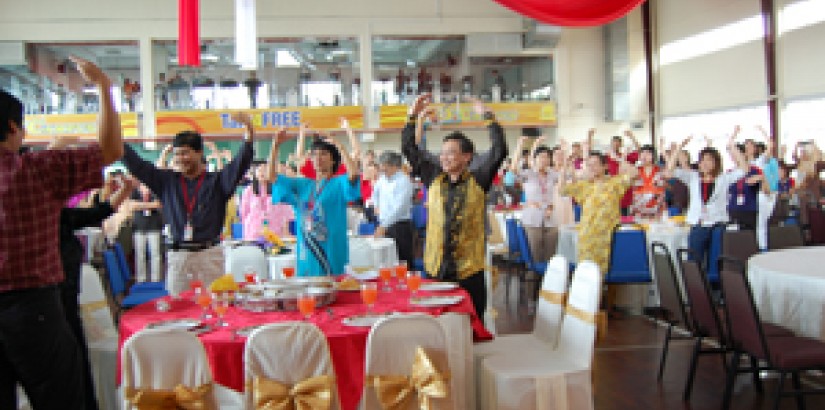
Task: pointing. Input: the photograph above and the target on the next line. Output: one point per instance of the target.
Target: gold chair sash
(314, 393)
(91, 307)
(580, 314)
(425, 382)
(556, 298)
(181, 397)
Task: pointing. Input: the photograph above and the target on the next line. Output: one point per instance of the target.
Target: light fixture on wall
(246, 37)
(189, 43)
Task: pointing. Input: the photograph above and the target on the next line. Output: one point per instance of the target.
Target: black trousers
(475, 286)
(68, 296)
(38, 350)
(745, 219)
(402, 233)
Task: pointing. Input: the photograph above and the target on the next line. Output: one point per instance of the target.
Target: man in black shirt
(194, 204)
(147, 223)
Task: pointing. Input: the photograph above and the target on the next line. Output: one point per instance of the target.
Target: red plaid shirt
(33, 189)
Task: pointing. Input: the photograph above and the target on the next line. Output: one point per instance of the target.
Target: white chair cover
(288, 353)
(765, 205)
(162, 359)
(560, 379)
(101, 336)
(391, 350)
(459, 335)
(246, 258)
(360, 253)
(545, 329)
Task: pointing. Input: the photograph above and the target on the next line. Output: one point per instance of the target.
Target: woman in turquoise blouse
(320, 206)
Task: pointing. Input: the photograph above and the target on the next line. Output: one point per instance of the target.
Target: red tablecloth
(347, 344)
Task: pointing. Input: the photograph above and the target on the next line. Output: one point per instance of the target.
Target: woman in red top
(648, 190)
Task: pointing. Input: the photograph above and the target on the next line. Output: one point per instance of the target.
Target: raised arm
(519, 146)
(163, 158)
(633, 140)
(109, 134)
(231, 174)
(536, 144)
(299, 146)
(353, 141)
(738, 157)
(489, 164)
(272, 158)
(425, 166)
(352, 170)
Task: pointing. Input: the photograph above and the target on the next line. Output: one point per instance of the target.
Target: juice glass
(203, 298)
(288, 271)
(306, 304)
(386, 275)
(401, 274)
(413, 282)
(369, 294)
(220, 304)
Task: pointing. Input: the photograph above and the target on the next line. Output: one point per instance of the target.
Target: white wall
(801, 60)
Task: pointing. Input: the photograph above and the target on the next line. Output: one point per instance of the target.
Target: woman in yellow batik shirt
(599, 196)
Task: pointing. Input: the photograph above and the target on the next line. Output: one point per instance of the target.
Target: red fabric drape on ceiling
(572, 12)
(189, 42)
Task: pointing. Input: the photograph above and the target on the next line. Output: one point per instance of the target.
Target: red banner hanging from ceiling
(189, 42)
(572, 12)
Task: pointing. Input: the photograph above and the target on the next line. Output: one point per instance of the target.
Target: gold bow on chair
(395, 392)
(310, 394)
(580, 314)
(556, 298)
(181, 397)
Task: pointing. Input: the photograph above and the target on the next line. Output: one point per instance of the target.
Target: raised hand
(344, 123)
(63, 142)
(91, 72)
(281, 136)
(420, 103)
(242, 118)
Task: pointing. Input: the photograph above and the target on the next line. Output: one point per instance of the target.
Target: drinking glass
(413, 282)
(401, 274)
(386, 274)
(288, 271)
(203, 298)
(250, 275)
(220, 304)
(306, 304)
(369, 294)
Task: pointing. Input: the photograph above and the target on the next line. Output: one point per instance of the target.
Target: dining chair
(629, 262)
(399, 348)
(532, 265)
(560, 378)
(673, 309)
(788, 355)
(117, 287)
(512, 263)
(101, 336)
(289, 357)
(739, 244)
(128, 277)
(784, 237)
(157, 362)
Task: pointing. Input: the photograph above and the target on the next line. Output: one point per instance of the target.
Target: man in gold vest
(455, 246)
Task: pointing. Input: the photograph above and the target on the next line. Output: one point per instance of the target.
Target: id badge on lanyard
(187, 231)
(740, 199)
(147, 213)
(189, 205)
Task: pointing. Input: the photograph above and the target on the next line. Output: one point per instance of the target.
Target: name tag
(187, 232)
(147, 212)
(740, 200)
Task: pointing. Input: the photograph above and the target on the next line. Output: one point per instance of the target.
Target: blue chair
(511, 263)
(118, 287)
(126, 273)
(629, 261)
(577, 212)
(531, 265)
(674, 211)
(237, 231)
(293, 230)
(366, 228)
(419, 219)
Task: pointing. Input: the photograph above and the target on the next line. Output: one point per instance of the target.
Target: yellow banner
(508, 114)
(219, 122)
(45, 126)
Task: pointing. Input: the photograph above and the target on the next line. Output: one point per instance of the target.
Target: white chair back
(98, 323)
(360, 253)
(578, 329)
(551, 300)
(163, 359)
(391, 348)
(246, 258)
(459, 337)
(287, 353)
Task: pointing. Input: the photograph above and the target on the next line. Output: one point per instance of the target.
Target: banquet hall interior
(648, 175)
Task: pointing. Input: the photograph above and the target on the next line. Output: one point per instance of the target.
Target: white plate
(245, 331)
(435, 286)
(437, 301)
(175, 324)
(367, 275)
(363, 320)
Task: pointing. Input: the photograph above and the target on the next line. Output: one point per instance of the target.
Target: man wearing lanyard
(194, 203)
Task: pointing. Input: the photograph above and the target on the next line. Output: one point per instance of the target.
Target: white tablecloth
(673, 237)
(364, 251)
(789, 288)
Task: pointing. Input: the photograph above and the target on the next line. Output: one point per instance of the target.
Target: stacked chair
(117, 285)
(784, 237)
(559, 378)
(673, 310)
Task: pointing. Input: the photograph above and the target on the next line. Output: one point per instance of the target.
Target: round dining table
(789, 288)
(224, 346)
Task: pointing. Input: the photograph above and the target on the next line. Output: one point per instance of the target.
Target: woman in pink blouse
(257, 208)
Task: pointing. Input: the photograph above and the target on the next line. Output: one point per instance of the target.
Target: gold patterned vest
(468, 229)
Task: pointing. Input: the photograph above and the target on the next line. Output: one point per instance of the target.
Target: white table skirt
(789, 288)
(364, 251)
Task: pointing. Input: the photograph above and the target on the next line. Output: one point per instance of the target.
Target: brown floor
(627, 359)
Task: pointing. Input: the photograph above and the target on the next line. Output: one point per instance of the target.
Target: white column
(371, 117)
(147, 79)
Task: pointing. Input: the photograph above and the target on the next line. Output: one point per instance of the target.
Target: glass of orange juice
(306, 304)
(220, 304)
(386, 274)
(203, 298)
(413, 281)
(288, 271)
(369, 294)
(401, 274)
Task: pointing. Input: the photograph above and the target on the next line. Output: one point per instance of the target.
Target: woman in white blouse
(539, 185)
(708, 192)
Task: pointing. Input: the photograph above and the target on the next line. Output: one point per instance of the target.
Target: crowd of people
(42, 345)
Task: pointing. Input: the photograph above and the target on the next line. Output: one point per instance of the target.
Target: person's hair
(24, 149)
(717, 159)
(602, 158)
(649, 148)
(189, 139)
(319, 144)
(616, 138)
(761, 148)
(464, 143)
(541, 149)
(741, 147)
(11, 110)
(256, 183)
(390, 158)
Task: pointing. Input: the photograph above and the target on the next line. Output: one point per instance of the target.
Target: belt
(193, 246)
